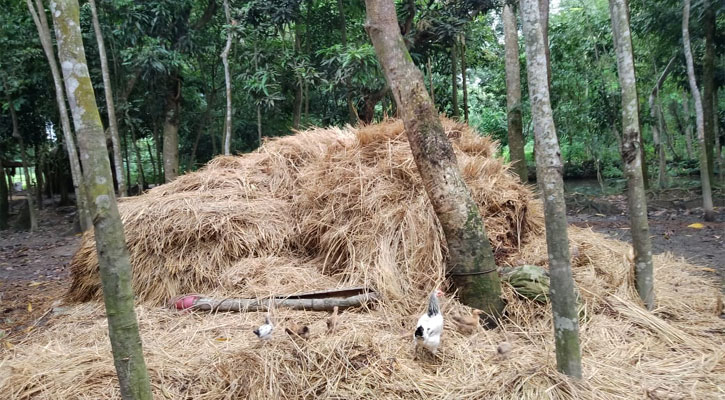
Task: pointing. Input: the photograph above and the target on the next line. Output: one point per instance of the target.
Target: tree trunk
(631, 155)
(665, 131)
(708, 84)
(171, 129)
(24, 159)
(463, 76)
(259, 125)
(342, 22)
(153, 164)
(549, 171)
(113, 258)
(544, 15)
(41, 24)
(297, 106)
(4, 203)
(39, 181)
(699, 117)
(656, 123)
(513, 93)
(115, 139)
(718, 139)
(432, 90)
(682, 125)
(470, 263)
(227, 83)
(454, 80)
(140, 178)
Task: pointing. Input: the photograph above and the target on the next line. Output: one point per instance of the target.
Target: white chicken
(430, 325)
(264, 332)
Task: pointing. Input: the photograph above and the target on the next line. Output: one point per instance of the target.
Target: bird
(332, 321)
(468, 324)
(264, 332)
(503, 349)
(430, 325)
(296, 329)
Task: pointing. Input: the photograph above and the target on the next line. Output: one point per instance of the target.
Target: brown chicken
(332, 321)
(295, 329)
(468, 324)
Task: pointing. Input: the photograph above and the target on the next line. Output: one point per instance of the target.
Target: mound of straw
(675, 352)
(345, 203)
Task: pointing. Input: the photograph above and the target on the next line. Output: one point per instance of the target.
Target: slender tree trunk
(544, 18)
(4, 202)
(227, 82)
(297, 106)
(37, 11)
(342, 21)
(549, 171)
(259, 125)
(127, 158)
(471, 264)
(699, 117)
(656, 123)
(115, 139)
(708, 84)
(681, 126)
(718, 141)
(153, 163)
(463, 76)
(631, 143)
(664, 130)
(307, 101)
(432, 85)
(171, 129)
(10, 186)
(39, 181)
(513, 93)
(454, 80)
(113, 258)
(24, 158)
(140, 179)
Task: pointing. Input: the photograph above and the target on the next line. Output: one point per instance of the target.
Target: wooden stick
(312, 304)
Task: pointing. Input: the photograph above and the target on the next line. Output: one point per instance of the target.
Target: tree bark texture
(513, 93)
(115, 267)
(699, 117)
(464, 83)
(682, 125)
(708, 84)
(171, 129)
(631, 154)
(432, 85)
(471, 265)
(112, 124)
(544, 15)
(227, 82)
(37, 11)
(657, 131)
(549, 175)
(454, 80)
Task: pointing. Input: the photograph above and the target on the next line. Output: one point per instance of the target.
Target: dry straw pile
(327, 207)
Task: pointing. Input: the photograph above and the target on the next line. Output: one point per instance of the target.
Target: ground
(34, 268)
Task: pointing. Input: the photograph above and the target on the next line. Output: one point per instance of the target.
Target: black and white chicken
(264, 332)
(430, 325)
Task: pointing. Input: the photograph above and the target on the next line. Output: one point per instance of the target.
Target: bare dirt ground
(34, 267)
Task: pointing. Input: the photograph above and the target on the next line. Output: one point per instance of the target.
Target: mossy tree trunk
(227, 81)
(631, 155)
(513, 92)
(471, 265)
(549, 175)
(110, 107)
(464, 80)
(113, 258)
(699, 117)
(171, 129)
(37, 11)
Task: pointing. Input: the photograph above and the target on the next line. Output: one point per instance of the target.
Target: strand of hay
(676, 352)
(346, 203)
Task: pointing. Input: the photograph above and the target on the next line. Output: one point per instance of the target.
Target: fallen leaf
(28, 329)
(706, 269)
(34, 283)
(30, 307)
(8, 345)
(221, 339)
(696, 225)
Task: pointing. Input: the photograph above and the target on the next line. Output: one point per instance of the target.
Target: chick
(295, 329)
(468, 324)
(503, 349)
(332, 321)
(264, 332)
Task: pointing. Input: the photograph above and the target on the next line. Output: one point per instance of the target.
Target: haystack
(346, 204)
(330, 207)
(676, 352)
